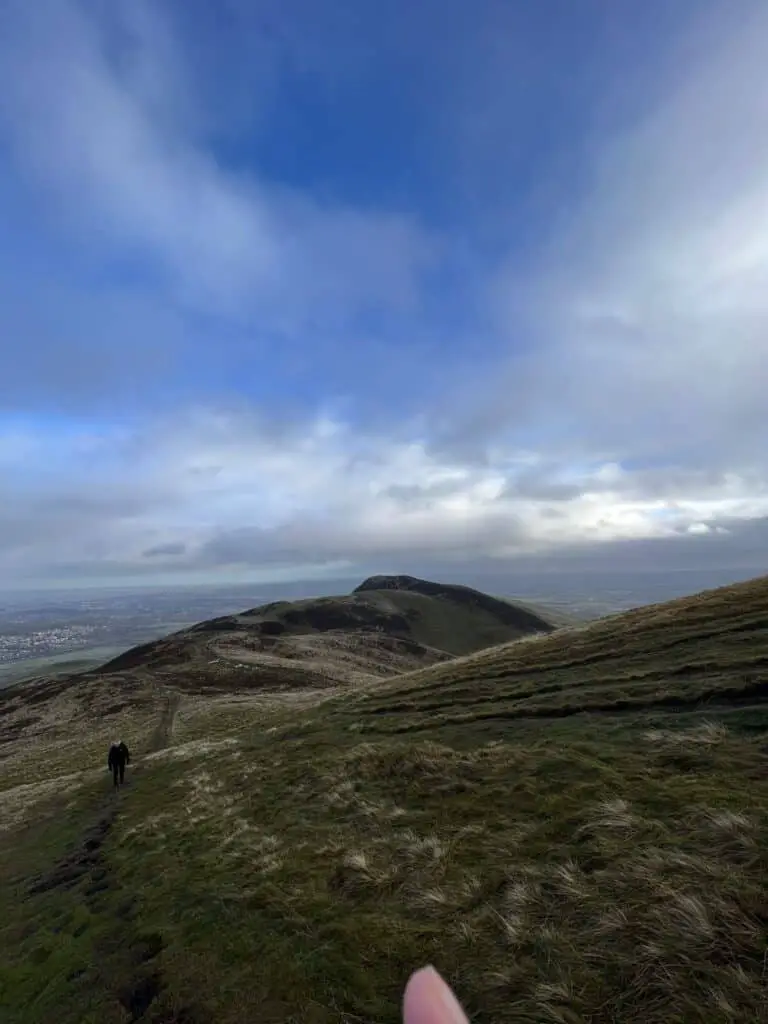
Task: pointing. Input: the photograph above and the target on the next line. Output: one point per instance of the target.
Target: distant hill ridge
(417, 622)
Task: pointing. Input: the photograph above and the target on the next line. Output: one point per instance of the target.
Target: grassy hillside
(522, 615)
(708, 649)
(398, 625)
(292, 856)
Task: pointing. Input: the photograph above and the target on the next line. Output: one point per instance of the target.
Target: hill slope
(394, 626)
(278, 864)
(524, 617)
(710, 648)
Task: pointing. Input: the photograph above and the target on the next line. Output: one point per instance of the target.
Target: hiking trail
(126, 960)
(161, 736)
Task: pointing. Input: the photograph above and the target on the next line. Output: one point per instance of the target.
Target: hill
(572, 828)
(524, 617)
(388, 625)
(710, 649)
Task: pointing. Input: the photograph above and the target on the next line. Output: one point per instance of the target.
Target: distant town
(41, 642)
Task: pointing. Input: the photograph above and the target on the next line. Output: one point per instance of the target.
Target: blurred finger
(428, 1000)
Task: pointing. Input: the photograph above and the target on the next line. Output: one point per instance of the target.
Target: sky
(306, 288)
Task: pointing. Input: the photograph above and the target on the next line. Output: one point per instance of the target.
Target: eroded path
(124, 969)
(161, 736)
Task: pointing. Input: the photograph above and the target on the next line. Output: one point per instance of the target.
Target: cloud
(649, 310)
(93, 107)
(644, 315)
(214, 370)
(320, 494)
(165, 550)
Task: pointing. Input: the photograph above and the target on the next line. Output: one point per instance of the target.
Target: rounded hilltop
(385, 626)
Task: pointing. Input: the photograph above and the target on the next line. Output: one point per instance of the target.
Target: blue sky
(311, 285)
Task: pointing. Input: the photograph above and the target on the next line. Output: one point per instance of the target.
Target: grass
(280, 865)
(709, 648)
(343, 639)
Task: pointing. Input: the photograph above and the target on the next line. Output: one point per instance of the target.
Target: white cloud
(219, 489)
(698, 528)
(650, 308)
(636, 413)
(114, 140)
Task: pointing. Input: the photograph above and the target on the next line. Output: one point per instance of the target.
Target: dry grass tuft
(20, 803)
(707, 735)
(192, 749)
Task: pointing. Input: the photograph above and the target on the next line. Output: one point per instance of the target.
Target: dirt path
(126, 962)
(124, 967)
(164, 729)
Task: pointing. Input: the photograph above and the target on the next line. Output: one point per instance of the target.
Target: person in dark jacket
(119, 757)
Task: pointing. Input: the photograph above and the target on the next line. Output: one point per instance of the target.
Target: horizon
(504, 577)
(288, 292)
(42, 630)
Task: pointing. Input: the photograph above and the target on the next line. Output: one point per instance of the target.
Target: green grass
(712, 648)
(586, 868)
(432, 621)
(600, 878)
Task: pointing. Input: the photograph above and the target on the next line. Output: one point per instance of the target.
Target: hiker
(119, 757)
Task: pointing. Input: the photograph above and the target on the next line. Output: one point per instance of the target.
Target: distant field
(72, 661)
(80, 660)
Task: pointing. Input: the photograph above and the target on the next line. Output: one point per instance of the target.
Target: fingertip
(429, 1000)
